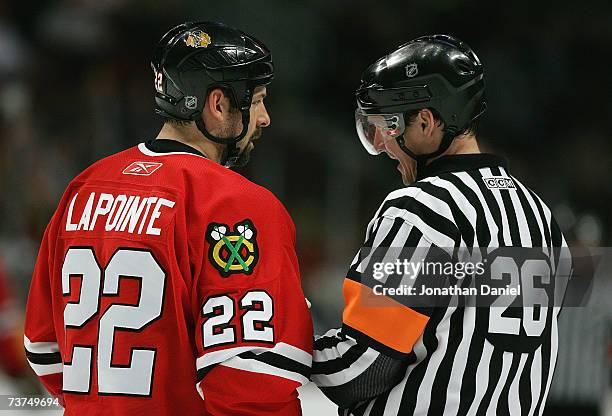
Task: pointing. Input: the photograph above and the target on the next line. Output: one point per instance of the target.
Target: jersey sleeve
(368, 354)
(372, 315)
(253, 329)
(41, 344)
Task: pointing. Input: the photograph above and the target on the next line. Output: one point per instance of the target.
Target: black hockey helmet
(438, 72)
(195, 57)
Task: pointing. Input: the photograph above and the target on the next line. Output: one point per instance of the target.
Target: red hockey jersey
(167, 284)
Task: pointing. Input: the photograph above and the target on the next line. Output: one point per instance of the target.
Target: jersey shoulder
(410, 201)
(182, 171)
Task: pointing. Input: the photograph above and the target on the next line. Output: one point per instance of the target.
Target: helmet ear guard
(194, 58)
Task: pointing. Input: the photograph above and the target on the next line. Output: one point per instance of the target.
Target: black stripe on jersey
(363, 339)
(375, 227)
(353, 274)
(43, 358)
(503, 408)
(555, 233)
(495, 369)
(491, 204)
(482, 228)
(328, 342)
(556, 240)
(411, 388)
(359, 410)
(397, 224)
(545, 371)
(271, 358)
(532, 223)
(430, 217)
(203, 371)
(440, 384)
(468, 385)
(461, 221)
(542, 216)
(525, 384)
(510, 213)
(414, 236)
(379, 405)
(341, 363)
(278, 361)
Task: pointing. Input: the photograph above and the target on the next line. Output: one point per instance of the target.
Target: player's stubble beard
(245, 154)
(233, 129)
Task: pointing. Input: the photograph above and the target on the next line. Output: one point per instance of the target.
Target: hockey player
(167, 284)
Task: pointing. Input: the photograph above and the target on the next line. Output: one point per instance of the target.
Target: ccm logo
(142, 168)
(499, 182)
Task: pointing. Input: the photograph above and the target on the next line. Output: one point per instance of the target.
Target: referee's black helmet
(437, 71)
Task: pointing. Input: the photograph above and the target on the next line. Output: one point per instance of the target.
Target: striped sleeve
(368, 355)
(43, 357)
(40, 339)
(282, 360)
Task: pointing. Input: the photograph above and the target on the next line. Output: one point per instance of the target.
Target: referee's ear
(428, 122)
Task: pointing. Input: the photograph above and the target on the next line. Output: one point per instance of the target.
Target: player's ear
(216, 104)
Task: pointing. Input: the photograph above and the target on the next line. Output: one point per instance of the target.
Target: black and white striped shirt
(393, 358)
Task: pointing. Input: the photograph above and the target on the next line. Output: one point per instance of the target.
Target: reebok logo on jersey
(233, 251)
(499, 182)
(142, 168)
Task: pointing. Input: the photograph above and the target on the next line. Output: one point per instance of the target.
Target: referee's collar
(460, 163)
(170, 146)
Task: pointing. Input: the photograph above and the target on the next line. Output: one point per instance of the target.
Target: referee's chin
(408, 172)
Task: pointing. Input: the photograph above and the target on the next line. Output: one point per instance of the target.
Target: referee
(452, 354)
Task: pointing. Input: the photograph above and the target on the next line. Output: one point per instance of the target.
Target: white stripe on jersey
(395, 398)
(40, 347)
(493, 228)
(456, 377)
(281, 348)
(349, 373)
(497, 195)
(46, 369)
(513, 394)
(144, 150)
(506, 363)
(255, 366)
(536, 380)
(482, 377)
(440, 240)
(521, 219)
(424, 396)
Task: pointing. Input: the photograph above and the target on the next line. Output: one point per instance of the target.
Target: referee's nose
(379, 142)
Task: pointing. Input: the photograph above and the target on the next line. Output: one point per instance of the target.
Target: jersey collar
(170, 146)
(460, 163)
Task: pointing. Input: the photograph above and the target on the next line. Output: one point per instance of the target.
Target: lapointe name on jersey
(123, 213)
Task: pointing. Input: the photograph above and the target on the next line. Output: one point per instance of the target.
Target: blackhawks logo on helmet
(197, 39)
(233, 251)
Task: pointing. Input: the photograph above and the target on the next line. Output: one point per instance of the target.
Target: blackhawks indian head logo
(233, 251)
(197, 39)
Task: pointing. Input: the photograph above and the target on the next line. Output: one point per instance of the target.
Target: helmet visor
(374, 128)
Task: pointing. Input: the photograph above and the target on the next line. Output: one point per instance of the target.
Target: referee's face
(406, 165)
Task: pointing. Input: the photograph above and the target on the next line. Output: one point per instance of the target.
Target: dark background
(76, 85)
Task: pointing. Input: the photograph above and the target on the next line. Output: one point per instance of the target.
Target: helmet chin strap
(421, 160)
(232, 152)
